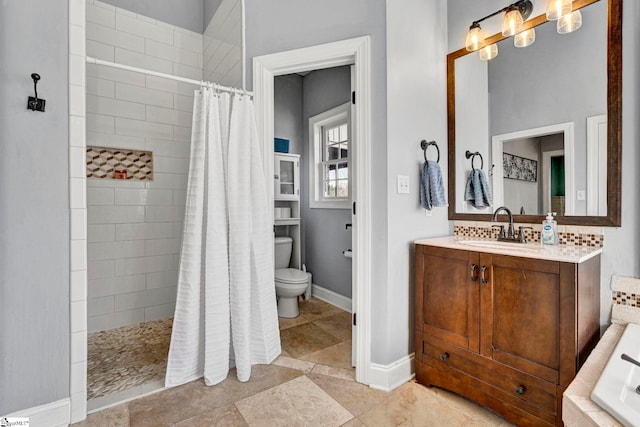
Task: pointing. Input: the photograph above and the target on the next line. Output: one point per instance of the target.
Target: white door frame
(597, 165)
(498, 141)
(355, 51)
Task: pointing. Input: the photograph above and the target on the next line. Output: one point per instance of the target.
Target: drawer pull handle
(474, 271)
(521, 389)
(483, 279)
(444, 356)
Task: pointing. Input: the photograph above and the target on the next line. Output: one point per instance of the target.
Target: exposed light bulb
(475, 38)
(558, 8)
(569, 23)
(489, 52)
(525, 38)
(512, 22)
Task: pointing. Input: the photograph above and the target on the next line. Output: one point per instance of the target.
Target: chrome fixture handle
(521, 236)
(501, 234)
(483, 279)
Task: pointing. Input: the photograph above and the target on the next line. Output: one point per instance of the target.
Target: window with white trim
(330, 149)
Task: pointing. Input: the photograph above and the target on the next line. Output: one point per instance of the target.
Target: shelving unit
(287, 197)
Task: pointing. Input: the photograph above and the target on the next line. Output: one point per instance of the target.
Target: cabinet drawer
(512, 382)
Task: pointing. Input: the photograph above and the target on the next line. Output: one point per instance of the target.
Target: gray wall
(189, 14)
(325, 235)
(519, 193)
(287, 112)
(275, 26)
(558, 79)
(34, 206)
(416, 110)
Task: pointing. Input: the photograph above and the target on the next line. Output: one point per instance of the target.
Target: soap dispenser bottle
(549, 235)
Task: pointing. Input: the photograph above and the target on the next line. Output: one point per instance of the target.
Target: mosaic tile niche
(108, 163)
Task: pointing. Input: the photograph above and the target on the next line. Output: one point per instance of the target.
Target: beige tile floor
(310, 384)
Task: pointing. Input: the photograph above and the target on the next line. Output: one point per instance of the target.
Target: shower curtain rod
(91, 60)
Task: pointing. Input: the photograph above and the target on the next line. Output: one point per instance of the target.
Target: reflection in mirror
(560, 78)
(533, 174)
(549, 154)
(547, 103)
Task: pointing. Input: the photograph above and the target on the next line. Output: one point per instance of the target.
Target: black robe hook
(34, 103)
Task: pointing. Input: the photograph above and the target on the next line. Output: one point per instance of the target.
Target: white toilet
(290, 282)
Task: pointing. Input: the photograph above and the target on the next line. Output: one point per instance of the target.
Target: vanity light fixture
(568, 19)
(475, 38)
(514, 16)
(556, 9)
(570, 22)
(512, 21)
(489, 52)
(525, 38)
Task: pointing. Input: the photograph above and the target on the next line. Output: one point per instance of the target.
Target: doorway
(354, 52)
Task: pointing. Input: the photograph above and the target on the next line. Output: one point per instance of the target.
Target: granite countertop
(562, 253)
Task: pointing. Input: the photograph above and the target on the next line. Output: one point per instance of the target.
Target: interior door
(354, 223)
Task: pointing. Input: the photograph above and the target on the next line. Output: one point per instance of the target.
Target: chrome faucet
(510, 232)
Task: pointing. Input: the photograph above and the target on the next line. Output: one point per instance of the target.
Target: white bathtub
(615, 390)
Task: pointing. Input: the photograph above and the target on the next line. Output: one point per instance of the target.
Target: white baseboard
(393, 375)
(54, 414)
(331, 297)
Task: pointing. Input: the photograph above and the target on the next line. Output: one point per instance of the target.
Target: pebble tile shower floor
(122, 358)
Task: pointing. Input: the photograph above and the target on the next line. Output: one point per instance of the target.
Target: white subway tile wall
(77, 203)
(222, 50)
(134, 228)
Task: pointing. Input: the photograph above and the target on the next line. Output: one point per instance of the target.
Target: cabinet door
(521, 314)
(287, 177)
(447, 299)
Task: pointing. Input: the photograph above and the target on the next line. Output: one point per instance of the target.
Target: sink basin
(494, 244)
(618, 388)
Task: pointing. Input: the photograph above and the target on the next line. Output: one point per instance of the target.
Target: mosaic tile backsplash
(625, 295)
(117, 163)
(567, 235)
(623, 298)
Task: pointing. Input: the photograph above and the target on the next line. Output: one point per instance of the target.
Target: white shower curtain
(226, 303)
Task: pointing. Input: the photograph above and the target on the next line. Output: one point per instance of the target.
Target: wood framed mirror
(579, 202)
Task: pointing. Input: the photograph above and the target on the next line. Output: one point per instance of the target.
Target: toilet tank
(283, 252)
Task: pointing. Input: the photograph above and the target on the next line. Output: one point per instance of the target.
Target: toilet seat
(291, 276)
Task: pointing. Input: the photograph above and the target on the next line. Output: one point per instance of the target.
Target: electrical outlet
(403, 184)
(581, 195)
(427, 212)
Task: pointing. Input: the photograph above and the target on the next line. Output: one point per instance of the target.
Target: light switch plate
(581, 195)
(403, 184)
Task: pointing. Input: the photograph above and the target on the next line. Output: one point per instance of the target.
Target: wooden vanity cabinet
(508, 332)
